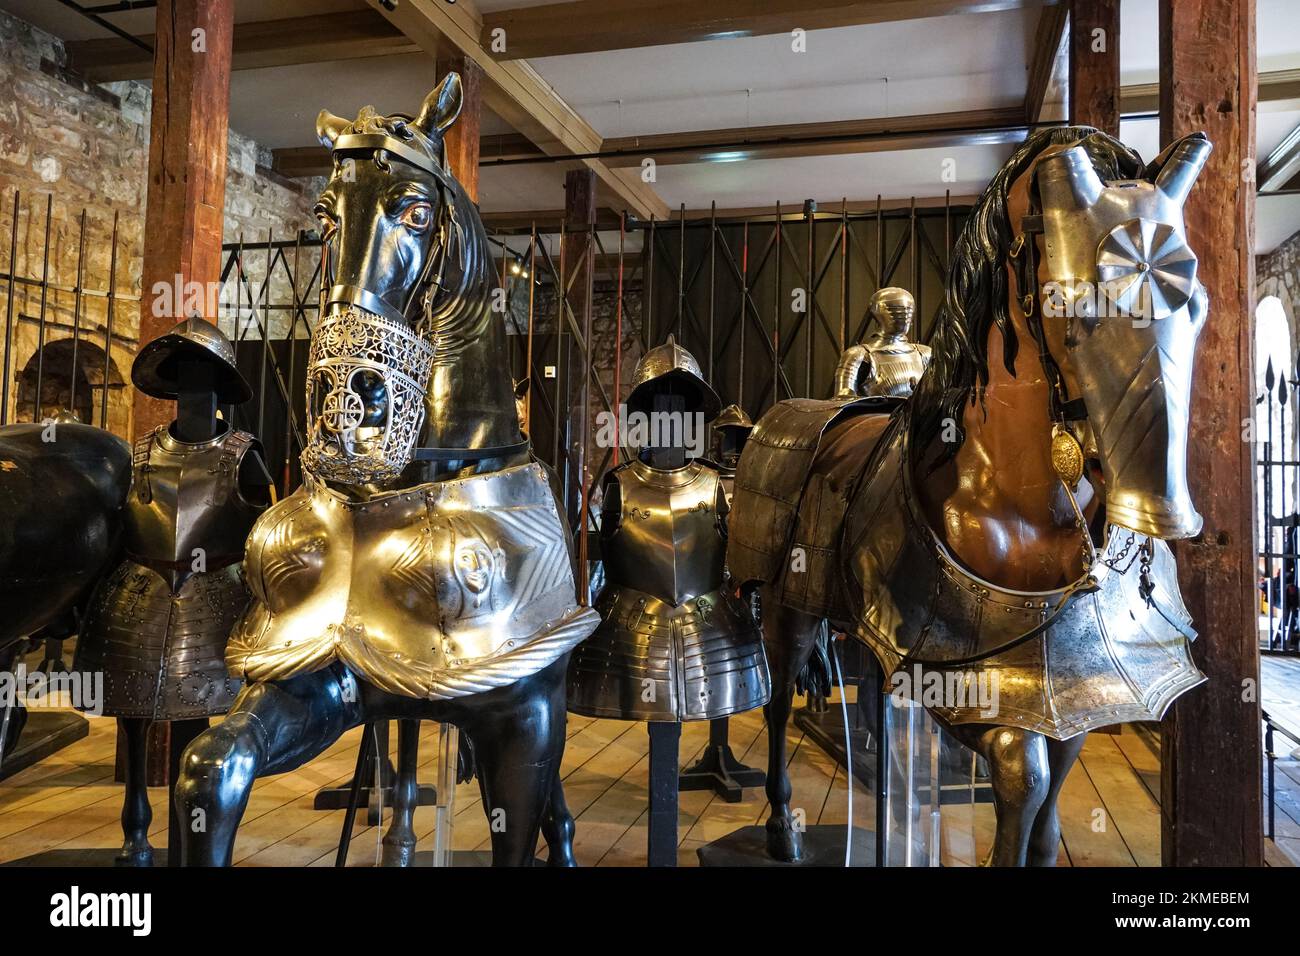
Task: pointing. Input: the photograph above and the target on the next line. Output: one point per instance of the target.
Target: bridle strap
(471, 454)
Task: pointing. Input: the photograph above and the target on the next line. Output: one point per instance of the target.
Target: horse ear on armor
(441, 107)
(329, 127)
(1181, 164)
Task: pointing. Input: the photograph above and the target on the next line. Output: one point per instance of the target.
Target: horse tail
(815, 675)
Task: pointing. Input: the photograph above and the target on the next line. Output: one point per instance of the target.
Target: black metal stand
(46, 732)
(719, 770)
(665, 744)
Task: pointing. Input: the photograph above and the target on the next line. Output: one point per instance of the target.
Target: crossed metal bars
(79, 292)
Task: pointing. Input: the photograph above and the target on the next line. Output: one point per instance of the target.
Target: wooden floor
(1280, 698)
(1109, 808)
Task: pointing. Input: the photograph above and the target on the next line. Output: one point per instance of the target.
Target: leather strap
(470, 454)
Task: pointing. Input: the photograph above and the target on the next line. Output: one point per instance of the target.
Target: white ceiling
(943, 64)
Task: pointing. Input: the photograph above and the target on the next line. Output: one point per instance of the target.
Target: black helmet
(156, 369)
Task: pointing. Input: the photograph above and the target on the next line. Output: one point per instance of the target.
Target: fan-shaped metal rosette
(1146, 269)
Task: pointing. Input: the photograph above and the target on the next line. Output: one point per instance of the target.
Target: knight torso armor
(673, 644)
(888, 367)
(437, 591)
(158, 624)
(1109, 648)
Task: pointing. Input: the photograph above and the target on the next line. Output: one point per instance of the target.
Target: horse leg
(1019, 772)
(789, 636)
(136, 812)
(272, 727)
(518, 742)
(557, 826)
(1045, 838)
(399, 841)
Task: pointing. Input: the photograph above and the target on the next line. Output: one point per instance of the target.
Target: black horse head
(408, 358)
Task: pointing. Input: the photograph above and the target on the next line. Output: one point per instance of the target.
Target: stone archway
(66, 384)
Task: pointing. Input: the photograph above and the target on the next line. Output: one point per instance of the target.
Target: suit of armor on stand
(888, 363)
(157, 626)
(673, 643)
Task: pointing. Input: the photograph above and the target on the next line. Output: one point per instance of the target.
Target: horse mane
(976, 295)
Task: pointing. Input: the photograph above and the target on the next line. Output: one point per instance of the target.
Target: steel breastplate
(895, 369)
(1108, 648)
(438, 591)
(185, 512)
(668, 542)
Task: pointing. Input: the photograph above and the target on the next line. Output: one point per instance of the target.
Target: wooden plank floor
(1109, 805)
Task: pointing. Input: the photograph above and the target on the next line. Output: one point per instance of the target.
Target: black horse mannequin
(381, 220)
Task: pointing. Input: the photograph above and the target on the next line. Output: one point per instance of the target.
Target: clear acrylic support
(445, 809)
(924, 763)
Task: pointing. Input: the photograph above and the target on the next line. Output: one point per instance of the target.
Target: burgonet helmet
(733, 417)
(156, 370)
(669, 368)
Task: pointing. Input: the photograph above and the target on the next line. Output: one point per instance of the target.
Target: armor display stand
(719, 770)
(445, 812)
(665, 736)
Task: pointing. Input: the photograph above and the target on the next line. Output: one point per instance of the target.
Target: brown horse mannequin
(1001, 510)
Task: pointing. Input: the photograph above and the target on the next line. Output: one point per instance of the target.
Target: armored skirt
(157, 625)
(673, 644)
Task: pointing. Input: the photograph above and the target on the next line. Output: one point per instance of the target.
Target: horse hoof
(134, 855)
(398, 854)
(783, 842)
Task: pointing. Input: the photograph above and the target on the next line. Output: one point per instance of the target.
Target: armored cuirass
(673, 644)
(882, 368)
(1109, 648)
(157, 626)
(437, 591)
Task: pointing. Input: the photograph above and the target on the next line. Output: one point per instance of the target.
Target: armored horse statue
(1005, 528)
(62, 488)
(423, 570)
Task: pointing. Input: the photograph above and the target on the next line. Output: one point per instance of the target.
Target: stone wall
(87, 147)
(1278, 273)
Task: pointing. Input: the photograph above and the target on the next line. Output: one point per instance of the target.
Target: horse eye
(417, 216)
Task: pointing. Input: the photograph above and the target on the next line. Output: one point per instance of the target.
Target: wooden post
(185, 208)
(1094, 64)
(579, 217)
(462, 138)
(1210, 768)
(184, 212)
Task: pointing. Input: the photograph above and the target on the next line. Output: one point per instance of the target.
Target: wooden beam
(1043, 67)
(298, 162)
(264, 43)
(184, 212)
(1274, 87)
(462, 139)
(1094, 64)
(516, 93)
(590, 26)
(1282, 165)
(820, 139)
(1210, 746)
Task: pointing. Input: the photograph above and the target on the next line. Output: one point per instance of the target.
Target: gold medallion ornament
(1067, 456)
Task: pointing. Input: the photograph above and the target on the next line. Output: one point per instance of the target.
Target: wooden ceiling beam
(516, 93)
(259, 44)
(1047, 65)
(1274, 86)
(590, 26)
(837, 137)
